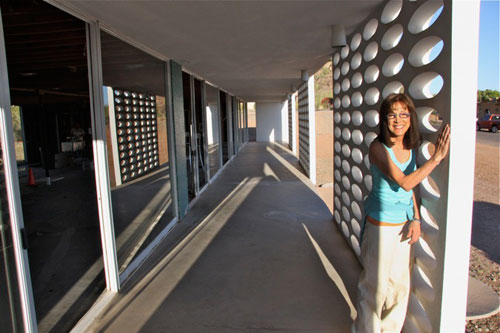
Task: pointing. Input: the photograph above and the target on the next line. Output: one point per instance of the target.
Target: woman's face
(398, 119)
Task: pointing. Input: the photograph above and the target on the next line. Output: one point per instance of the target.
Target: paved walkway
(257, 252)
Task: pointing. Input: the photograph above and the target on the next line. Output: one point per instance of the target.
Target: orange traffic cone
(31, 178)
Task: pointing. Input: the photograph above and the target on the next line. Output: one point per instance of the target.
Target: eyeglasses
(402, 115)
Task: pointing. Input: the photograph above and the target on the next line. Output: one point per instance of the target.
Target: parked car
(491, 122)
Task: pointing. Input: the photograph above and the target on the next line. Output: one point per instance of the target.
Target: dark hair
(412, 138)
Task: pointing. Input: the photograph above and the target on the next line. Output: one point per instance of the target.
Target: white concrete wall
(272, 122)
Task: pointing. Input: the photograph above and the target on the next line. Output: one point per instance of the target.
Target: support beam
(178, 162)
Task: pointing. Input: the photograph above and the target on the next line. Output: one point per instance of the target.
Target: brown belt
(383, 224)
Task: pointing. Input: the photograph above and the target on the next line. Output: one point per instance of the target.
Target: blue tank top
(389, 202)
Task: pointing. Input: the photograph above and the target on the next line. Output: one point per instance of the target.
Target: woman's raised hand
(442, 144)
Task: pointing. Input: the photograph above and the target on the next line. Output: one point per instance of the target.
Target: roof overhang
(252, 49)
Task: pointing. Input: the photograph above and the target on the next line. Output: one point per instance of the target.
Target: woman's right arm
(381, 158)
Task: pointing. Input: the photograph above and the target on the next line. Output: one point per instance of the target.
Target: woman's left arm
(414, 230)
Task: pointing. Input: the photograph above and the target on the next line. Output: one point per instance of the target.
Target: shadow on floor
(486, 229)
(245, 258)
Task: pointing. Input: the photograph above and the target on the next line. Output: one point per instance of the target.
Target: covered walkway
(259, 251)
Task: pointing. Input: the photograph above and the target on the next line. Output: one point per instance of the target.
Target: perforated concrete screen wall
(134, 133)
(405, 48)
(307, 128)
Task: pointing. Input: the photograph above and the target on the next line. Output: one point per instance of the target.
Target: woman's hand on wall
(442, 144)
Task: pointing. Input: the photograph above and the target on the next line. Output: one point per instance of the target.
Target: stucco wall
(324, 147)
(272, 122)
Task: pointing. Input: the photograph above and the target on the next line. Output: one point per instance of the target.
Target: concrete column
(178, 139)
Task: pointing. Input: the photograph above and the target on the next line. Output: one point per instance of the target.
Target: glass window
(136, 129)
(11, 315)
(51, 119)
(213, 129)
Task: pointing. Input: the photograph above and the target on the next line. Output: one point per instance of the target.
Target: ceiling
(255, 50)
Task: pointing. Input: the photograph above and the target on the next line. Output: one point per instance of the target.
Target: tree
(486, 95)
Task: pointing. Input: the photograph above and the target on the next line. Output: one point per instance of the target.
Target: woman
(392, 219)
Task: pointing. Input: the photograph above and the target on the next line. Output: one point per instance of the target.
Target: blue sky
(489, 54)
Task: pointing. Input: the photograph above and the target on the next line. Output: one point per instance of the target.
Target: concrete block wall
(407, 46)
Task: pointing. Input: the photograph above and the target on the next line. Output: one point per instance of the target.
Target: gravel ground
(485, 244)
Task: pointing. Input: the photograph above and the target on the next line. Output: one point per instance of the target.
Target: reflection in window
(213, 129)
(18, 133)
(136, 130)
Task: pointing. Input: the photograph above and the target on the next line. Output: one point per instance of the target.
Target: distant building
(491, 106)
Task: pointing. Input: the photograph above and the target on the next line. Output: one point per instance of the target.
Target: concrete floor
(258, 251)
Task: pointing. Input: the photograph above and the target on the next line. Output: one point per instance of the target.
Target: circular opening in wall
(429, 225)
(366, 159)
(422, 284)
(370, 29)
(368, 182)
(425, 16)
(357, 137)
(337, 216)
(355, 245)
(371, 51)
(429, 119)
(337, 203)
(356, 61)
(346, 101)
(345, 68)
(355, 41)
(346, 134)
(337, 117)
(394, 87)
(336, 88)
(357, 118)
(357, 80)
(425, 51)
(356, 210)
(357, 99)
(346, 183)
(372, 96)
(357, 174)
(371, 74)
(391, 11)
(337, 187)
(369, 137)
(345, 229)
(393, 64)
(357, 155)
(392, 37)
(426, 85)
(429, 189)
(355, 227)
(346, 151)
(346, 84)
(336, 59)
(345, 198)
(338, 147)
(337, 103)
(344, 52)
(356, 192)
(337, 161)
(338, 132)
(372, 118)
(346, 117)
(425, 152)
(336, 73)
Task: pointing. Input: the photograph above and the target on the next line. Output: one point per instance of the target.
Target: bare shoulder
(376, 148)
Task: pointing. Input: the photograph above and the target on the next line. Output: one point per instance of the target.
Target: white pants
(384, 284)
